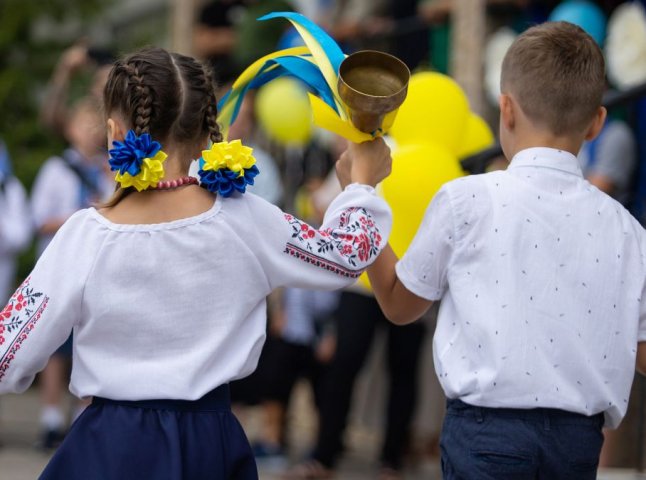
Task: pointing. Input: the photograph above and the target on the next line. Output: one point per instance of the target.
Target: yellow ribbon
(232, 155)
(152, 171)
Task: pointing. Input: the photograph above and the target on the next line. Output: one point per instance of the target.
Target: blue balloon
(585, 14)
(291, 38)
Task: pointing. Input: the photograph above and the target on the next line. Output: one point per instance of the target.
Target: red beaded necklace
(171, 184)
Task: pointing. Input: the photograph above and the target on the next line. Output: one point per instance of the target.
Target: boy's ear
(597, 124)
(507, 114)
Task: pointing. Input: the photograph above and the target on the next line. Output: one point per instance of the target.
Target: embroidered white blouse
(542, 281)
(176, 309)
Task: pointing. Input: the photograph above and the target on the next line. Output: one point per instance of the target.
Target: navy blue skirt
(155, 440)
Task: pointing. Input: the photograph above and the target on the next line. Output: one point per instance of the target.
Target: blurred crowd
(323, 337)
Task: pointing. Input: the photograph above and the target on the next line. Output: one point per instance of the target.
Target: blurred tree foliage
(26, 62)
(33, 35)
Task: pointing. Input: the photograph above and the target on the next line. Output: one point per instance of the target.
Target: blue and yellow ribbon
(227, 167)
(138, 161)
(316, 64)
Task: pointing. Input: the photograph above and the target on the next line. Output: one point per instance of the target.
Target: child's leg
(404, 347)
(279, 372)
(357, 315)
(52, 387)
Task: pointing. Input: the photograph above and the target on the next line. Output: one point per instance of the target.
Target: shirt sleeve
(15, 218)
(42, 312)
(355, 229)
(423, 269)
(641, 334)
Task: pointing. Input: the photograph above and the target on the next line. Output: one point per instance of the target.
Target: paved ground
(19, 460)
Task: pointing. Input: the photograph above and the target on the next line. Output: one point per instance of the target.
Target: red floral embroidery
(363, 247)
(18, 319)
(355, 241)
(6, 313)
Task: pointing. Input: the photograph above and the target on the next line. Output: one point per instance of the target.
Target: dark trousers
(509, 444)
(358, 316)
(284, 363)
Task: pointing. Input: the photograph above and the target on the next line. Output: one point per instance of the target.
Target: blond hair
(556, 72)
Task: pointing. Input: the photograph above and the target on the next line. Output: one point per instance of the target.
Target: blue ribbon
(293, 66)
(331, 48)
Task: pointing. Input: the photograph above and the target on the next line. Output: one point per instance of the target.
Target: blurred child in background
(301, 342)
(15, 223)
(65, 184)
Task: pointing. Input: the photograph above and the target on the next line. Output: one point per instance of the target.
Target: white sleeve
(15, 218)
(424, 267)
(641, 333)
(292, 253)
(42, 312)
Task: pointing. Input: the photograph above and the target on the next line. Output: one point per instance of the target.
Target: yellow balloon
(477, 136)
(418, 172)
(436, 110)
(283, 111)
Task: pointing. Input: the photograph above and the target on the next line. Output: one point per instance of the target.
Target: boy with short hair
(541, 277)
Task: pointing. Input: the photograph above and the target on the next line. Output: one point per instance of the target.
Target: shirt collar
(542, 157)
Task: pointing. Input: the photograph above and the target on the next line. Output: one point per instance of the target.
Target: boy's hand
(367, 163)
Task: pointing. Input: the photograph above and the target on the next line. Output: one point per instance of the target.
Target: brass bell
(372, 84)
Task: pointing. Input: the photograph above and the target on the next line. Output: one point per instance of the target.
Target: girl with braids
(164, 286)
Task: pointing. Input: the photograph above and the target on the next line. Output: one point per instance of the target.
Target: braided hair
(168, 95)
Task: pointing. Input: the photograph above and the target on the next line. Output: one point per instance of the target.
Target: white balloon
(626, 46)
(495, 52)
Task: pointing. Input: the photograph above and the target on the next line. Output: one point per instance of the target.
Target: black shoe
(51, 439)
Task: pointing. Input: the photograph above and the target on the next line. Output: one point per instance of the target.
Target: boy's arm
(399, 304)
(641, 358)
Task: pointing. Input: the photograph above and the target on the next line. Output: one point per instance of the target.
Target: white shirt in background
(15, 231)
(58, 192)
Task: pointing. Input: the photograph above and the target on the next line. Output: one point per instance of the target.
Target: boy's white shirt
(173, 310)
(542, 279)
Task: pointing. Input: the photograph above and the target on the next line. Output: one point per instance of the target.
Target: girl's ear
(116, 130)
